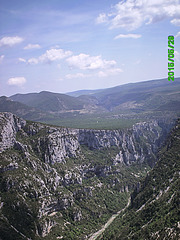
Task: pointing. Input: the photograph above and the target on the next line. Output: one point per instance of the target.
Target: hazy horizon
(78, 90)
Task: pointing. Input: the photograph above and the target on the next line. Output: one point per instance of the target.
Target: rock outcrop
(9, 126)
(134, 144)
(55, 145)
(53, 176)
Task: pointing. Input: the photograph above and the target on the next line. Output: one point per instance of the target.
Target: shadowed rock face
(32, 157)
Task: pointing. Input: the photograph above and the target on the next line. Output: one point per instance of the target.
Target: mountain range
(142, 96)
(99, 108)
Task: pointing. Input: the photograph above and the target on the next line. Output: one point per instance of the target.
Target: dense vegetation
(79, 204)
(155, 209)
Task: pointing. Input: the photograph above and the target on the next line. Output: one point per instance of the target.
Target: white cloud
(22, 60)
(177, 35)
(177, 55)
(132, 14)
(10, 41)
(32, 46)
(102, 74)
(128, 36)
(33, 61)
(1, 58)
(102, 18)
(110, 72)
(17, 81)
(84, 61)
(115, 71)
(176, 22)
(54, 54)
(50, 56)
(77, 75)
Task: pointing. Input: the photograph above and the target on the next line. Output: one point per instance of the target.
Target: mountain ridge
(147, 95)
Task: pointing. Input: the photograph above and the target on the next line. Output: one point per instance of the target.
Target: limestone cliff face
(134, 144)
(47, 172)
(55, 144)
(9, 126)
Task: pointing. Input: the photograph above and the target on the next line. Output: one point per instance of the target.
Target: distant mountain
(154, 211)
(48, 101)
(143, 96)
(20, 109)
(103, 108)
(83, 92)
(155, 95)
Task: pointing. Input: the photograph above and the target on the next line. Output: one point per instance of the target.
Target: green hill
(154, 95)
(20, 109)
(144, 96)
(47, 101)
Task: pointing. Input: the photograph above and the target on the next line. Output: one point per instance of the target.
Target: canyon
(62, 183)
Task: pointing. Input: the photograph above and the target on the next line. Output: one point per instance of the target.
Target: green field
(93, 122)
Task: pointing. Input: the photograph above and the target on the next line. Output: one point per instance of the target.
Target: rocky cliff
(154, 209)
(55, 144)
(9, 126)
(52, 177)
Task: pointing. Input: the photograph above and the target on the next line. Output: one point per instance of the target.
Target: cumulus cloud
(54, 54)
(17, 81)
(77, 75)
(177, 35)
(50, 56)
(84, 61)
(22, 60)
(100, 74)
(33, 61)
(10, 41)
(131, 14)
(110, 72)
(32, 46)
(176, 22)
(1, 58)
(128, 36)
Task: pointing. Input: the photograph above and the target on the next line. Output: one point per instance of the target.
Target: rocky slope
(60, 183)
(154, 211)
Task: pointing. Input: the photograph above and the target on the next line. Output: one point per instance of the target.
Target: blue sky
(63, 46)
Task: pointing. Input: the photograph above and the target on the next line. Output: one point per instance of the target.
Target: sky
(67, 45)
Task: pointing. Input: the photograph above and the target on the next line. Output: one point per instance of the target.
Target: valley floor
(111, 219)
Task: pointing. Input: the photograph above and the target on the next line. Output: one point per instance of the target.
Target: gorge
(62, 183)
